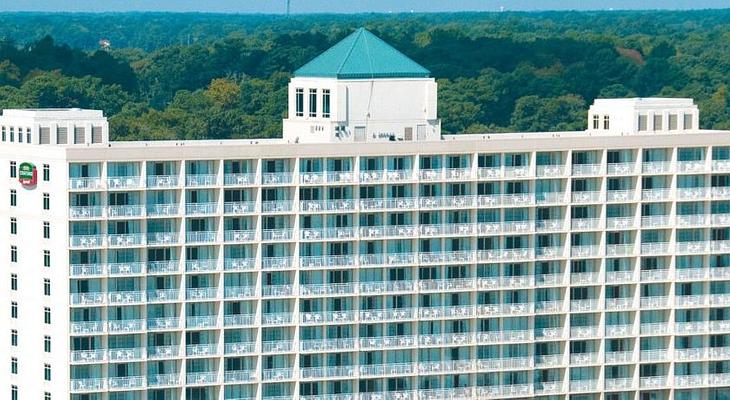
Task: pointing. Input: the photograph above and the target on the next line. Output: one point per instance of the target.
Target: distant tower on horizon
(288, 7)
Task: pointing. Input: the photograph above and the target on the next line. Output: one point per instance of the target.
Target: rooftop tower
(363, 90)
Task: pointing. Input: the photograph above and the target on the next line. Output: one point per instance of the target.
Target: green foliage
(194, 76)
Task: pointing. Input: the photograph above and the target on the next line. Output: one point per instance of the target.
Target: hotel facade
(365, 255)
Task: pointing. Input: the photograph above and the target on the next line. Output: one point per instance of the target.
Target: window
(47, 315)
(46, 258)
(13, 365)
(46, 396)
(312, 103)
(14, 392)
(12, 134)
(13, 169)
(47, 344)
(46, 230)
(14, 309)
(47, 372)
(325, 103)
(596, 122)
(27, 135)
(606, 122)
(643, 122)
(658, 122)
(687, 121)
(46, 286)
(13, 253)
(13, 281)
(299, 99)
(672, 122)
(46, 201)
(13, 226)
(14, 337)
(13, 198)
(46, 172)
(3, 133)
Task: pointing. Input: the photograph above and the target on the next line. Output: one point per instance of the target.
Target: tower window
(13, 169)
(596, 121)
(606, 122)
(46, 172)
(325, 103)
(312, 103)
(46, 230)
(299, 100)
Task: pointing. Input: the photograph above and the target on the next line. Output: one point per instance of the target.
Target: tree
(535, 114)
(223, 92)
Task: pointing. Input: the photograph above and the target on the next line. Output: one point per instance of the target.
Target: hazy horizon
(349, 6)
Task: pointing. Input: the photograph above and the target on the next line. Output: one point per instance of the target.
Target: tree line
(197, 76)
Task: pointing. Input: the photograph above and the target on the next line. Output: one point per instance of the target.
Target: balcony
(202, 378)
(239, 292)
(549, 279)
(163, 323)
(721, 192)
(127, 240)
(340, 177)
(693, 193)
(586, 169)
(162, 181)
(88, 356)
(323, 289)
(585, 224)
(125, 211)
(125, 269)
(619, 357)
(88, 327)
(239, 348)
(693, 220)
(277, 346)
(656, 167)
(388, 369)
(202, 350)
(342, 233)
(550, 198)
(201, 236)
(205, 293)
(88, 385)
(239, 179)
(318, 345)
(656, 328)
(699, 353)
(585, 278)
(653, 382)
(202, 265)
(693, 166)
(387, 287)
(656, 248)
(621, 223)
(163, 210)
(400, 203)
(88, 212)
(619, 330)
(489, 172)
(126, 326)
(584, 331)
(239, 320)
(88, 298)
(240, 376)
(277, 178)
(619, 276)
(619, 304)
(126, 297)
(654, 302)
(277, 290)
(163, 380)
(585, 385)
(201, 208)
(239, 207)
(653, 355)
(129, 354)
(691, 328)
(621, 196)
(387, 342)
(270, 263)
(277, 235)
(395, 314)
(162, 238)
(239, 264)
(276, 375)
(203, 321)
(584, 358)
(87, 270)
(277, 206)
(586, 197)
(87, 241)
(656, 194)
(550, 170)
(283, 318)
(521, 171)
(124, 182)
(158, 267)
(318, 206)
(82, 183)
(624, 168)
(698, 300)
(201, 180)
(619, 384)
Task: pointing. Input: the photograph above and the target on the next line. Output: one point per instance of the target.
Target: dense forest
(165, 76)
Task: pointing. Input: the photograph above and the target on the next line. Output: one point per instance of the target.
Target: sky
(347, 6)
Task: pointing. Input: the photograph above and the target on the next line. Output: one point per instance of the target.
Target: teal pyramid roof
(362, 55)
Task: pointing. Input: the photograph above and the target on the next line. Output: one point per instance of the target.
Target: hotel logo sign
(27, 174)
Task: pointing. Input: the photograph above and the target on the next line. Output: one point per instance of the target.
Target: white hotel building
(365, 255)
